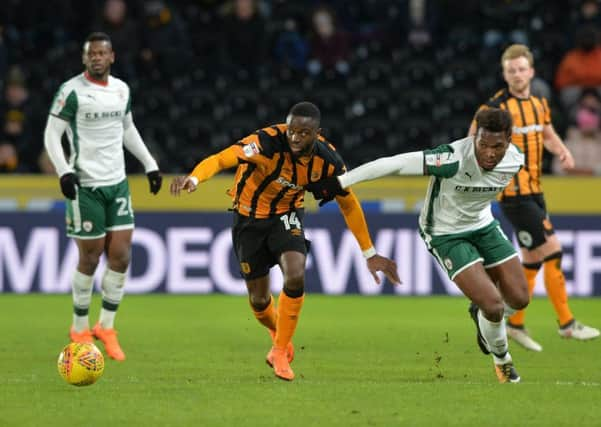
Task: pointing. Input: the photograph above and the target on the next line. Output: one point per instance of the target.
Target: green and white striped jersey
(460, 193)
(95, 114)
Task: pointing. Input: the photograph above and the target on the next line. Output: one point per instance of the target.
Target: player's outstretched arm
(355, 221)
(204, 170)
(185, 183)
(387, 266)
(401, 164)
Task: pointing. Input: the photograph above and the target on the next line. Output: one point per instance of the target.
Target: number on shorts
(124, 206)
(290, 220)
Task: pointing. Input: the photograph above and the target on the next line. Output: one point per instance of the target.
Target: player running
(273, 165)
(457, 224)
(523, 202)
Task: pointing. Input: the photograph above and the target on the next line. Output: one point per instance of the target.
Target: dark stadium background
(201, 78)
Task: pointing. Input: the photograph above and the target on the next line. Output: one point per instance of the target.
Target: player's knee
(521, 301)
(119, 261)
(493, 309)
(259, 302)
(519, 298)
(294, 285)
(88, 259)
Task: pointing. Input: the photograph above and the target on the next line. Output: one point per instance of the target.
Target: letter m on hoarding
(38, 255)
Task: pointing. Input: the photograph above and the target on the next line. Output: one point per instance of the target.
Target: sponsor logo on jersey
(283, 181)
(103, 115)
(527, 129)
(250, 149)
(468, 189)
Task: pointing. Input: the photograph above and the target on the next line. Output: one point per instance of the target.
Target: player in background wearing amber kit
(523, 202)
(273, 166)
(457, 224)
(94, 109)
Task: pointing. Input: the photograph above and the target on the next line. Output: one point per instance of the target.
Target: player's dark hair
(495, 120)
(98, 37)
(306, 109)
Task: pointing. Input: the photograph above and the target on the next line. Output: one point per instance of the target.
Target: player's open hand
(180, 183)
(387, 266)
(566, 160)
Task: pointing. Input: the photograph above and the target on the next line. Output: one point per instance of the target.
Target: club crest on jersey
(315, 176)
(525, 238)
(448, 263)
(250, 149)
(87, 226)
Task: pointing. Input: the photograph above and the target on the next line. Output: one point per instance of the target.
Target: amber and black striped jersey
(270, 180)
(529, 115)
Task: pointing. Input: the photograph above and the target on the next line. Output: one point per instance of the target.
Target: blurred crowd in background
(388, 75)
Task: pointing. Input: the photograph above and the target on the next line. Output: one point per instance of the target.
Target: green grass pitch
(360, 361)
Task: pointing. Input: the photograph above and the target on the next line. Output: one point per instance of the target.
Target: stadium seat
(372, 103)
(456, 127)
(240, 101)
(232, 129)
(413, 102)
(373, 74)
(331, 101)
(461, 101)
(418, 72)
(417, 132)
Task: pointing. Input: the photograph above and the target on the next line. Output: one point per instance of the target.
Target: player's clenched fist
(180, 183)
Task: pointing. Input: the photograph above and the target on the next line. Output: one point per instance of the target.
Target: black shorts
(258, 243)
(529, 218)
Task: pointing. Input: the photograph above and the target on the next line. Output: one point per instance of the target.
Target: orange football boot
(281, 367)
(109, 339)
(84, 336)
(289, 350)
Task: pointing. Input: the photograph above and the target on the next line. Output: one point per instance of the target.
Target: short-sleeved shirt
(270, 180)
(460, 193)
(529, 116)
(95, 114)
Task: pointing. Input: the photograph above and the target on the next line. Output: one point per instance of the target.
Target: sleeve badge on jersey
(250, 149)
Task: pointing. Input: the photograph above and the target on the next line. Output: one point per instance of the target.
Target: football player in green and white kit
(457, 224)
(94, 108)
